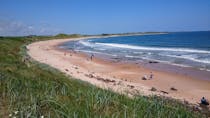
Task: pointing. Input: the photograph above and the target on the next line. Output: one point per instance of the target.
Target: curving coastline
(127, 77)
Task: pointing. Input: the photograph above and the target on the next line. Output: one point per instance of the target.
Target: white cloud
(10, 27)
(30, 27)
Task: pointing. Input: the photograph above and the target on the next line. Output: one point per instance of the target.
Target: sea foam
(153, 48)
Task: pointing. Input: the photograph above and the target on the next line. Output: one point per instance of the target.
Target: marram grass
(31, 89)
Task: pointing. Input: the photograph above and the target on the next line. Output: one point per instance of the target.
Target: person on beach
(204, 101)
(145, 76)
(91, 57)
(151, 75)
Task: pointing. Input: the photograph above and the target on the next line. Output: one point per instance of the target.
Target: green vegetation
(67, 36)
(36, 90)
(133, 33)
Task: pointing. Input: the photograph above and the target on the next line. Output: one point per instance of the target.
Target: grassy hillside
(31, 89)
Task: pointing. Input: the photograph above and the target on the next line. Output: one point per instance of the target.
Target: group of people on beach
(150, 76)
(203, 101)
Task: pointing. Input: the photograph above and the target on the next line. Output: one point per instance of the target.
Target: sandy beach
(121, 77)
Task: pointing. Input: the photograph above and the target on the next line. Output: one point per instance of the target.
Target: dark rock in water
(153, 62)
(173, 89)
(153, 89)
(115, 58)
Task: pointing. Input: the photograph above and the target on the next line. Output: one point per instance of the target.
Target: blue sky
(46, 17)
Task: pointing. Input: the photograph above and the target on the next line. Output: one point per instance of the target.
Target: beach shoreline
(126, 77)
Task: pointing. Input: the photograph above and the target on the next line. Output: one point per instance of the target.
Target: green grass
(35, 89)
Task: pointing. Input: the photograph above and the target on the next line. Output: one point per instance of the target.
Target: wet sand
(121, 76)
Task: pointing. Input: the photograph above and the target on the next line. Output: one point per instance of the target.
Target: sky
(50, 17)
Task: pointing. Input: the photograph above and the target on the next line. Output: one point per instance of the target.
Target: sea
(186, 49)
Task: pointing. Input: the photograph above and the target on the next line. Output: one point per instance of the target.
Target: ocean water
(190, 49)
